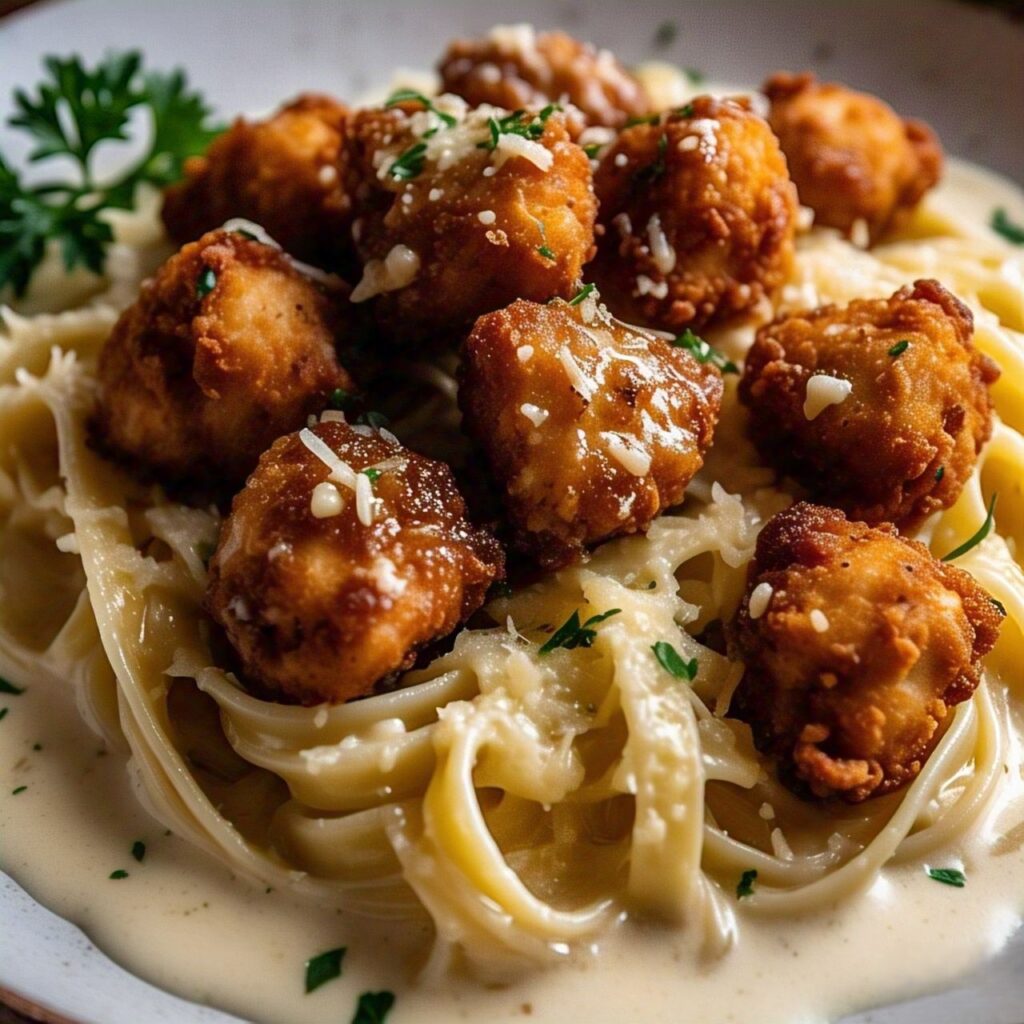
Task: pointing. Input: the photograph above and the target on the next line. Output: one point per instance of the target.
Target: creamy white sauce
(183, 921)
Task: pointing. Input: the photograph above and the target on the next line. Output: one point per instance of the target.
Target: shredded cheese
(326, 500)
(578, 380)
(628, 452)
(395, 271)
(524, 353)
(823, 391)
(760, 598)
(534, 413)
(662, 253)
(819, 621)
(509, 146)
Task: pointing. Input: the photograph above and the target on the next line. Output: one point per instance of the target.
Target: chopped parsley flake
(703, 352)
(649, 119)
(940, 473)
(410, 163)
(206, 283)
(1000, 607)
(372, 474)
(3, 713)
(514, 124)
(118, 874)
(373, 1007)
(983, 531)
(1002, 225)
(139, 850)
(8, 687)
(37, 746)
(592, 149)
(665, 34)
(545, 252)
(585, 292)
(19, 789)
(572, 634)
(324, 967)
(948, 876)
(746, 883)
(899, 348)
(671, 661)
(406, 95)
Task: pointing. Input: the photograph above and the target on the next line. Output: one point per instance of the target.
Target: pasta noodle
(522, 801)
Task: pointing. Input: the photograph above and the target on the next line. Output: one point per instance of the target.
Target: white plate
(958, 67)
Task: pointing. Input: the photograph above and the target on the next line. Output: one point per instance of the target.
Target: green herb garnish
(409, 164)
(940, 473)
(1002, 225)
(686, 110)
(746, 883)
(983, 531)
(339, 399)
(545, 252)
(592, 149)
(19, 789)
(948, 876)
(3, 713)
(514, 124)
(206, 283)
(585, 292)
(8, 687)
(139, 850)
(373, 1007)
(118, 874)
(703, 352)
(372, 474)
(37, 746)
(899, 348)
(324, 967)
(647, 119)
(572, 634)
(406, 95)
(76, 111)
(999, 606)
(672, 662)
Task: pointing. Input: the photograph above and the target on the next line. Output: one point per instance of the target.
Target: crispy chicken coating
(591, 427)
(857, 643)
(285, 173)
(227, 348)
(458, 219)
(514, 67)
(344, 554)
(699, 217)
(854, 160)
(879, 407)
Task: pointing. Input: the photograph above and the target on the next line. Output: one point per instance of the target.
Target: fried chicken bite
(857, 645)
(699, 217)
(880, 407)
(342, 556)
(227, 348)
(462, 213)
(285, 173)
(513, 67)
(590, 427)
(854, 160)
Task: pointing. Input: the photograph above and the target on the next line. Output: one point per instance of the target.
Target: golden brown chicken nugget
(591, 427)
(879, 407)
(342, 556)
(464, 212)
(285, 173)
(699, 217)
(855, 161)
(227, 348)
(514, 66)
(857, 645)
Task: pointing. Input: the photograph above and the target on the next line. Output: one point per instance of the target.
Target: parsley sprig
(411, 95)
(572, 633)
(517, 123)
(73, 113)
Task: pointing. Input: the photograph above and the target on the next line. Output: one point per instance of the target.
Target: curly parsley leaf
(572, 633)
(74, 111)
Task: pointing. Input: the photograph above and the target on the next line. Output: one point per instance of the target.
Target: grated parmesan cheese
(486, 217)
(510, 146)
(578, 380)
(385, 577)
(395, 271)
(534, 413)
(340, 472)
(823, 391)
(819, 621)
(662, 253)
(364, 499)
(646, 286)
(760, 598)
(628, 452)
(326, 500)
(524, 353)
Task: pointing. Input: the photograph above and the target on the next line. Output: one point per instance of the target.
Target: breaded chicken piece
(344, 554)
(227, 348)
(699, 217)
(458, 219)
(857, 643)
(854, 160)
(880, 407)
(591, 428)
(285, 173)
(513, 67)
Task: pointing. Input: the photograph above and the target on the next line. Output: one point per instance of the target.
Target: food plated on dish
(559, 522)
